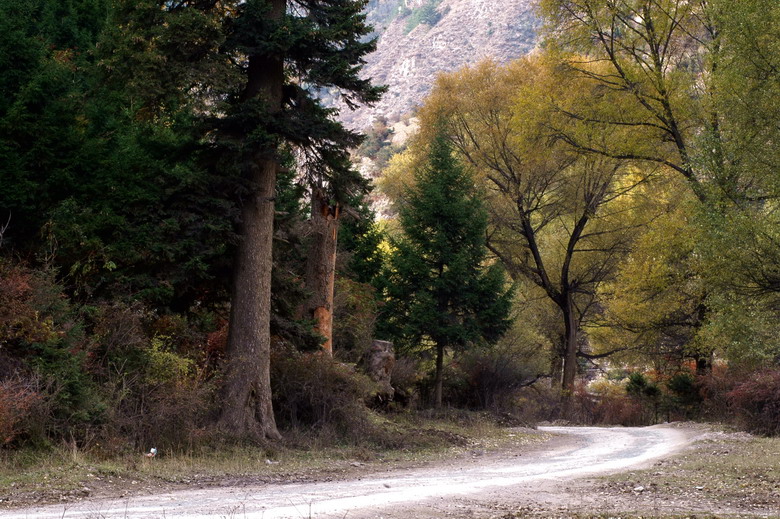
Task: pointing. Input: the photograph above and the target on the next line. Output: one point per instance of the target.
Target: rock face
(378, 363)
(421, 38)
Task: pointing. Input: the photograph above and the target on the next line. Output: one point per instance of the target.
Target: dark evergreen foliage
(322, 43)
(441, 292)
(108, 116)
(360, 238)
(115, 200)
(126, 127)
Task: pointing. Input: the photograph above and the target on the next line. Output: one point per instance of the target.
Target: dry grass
(726, 474)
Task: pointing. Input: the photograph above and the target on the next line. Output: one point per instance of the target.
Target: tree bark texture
(556, 364)
(571, 346)
(321, 266)
(246, 407)
(439, 375)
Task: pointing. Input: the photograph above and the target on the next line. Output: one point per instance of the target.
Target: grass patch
(726, 474)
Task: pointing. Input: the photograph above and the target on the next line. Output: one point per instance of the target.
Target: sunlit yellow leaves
(654, 306)
(653, 59)
(398, 176)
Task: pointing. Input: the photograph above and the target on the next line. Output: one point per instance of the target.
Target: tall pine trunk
(246, 403)
(321, 266)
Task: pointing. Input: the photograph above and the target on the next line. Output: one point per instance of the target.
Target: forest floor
(714, 473)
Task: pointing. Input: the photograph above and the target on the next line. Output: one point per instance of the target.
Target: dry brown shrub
(21, 318)
(18, 400)
(756, 402)
(314, 391)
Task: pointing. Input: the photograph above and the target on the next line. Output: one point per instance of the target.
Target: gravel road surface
(444, 489)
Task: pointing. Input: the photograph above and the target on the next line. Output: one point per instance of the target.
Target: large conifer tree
(251, 70)
(292, 47)
(441, 293)
(197, 105)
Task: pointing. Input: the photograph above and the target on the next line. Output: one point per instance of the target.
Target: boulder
(378, 362)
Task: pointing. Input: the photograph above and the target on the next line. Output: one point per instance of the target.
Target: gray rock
(466, 32)
(378, 362)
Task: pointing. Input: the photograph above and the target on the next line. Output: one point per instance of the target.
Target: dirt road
(462, 488)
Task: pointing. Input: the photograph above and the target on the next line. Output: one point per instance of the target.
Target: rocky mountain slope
(420, 38)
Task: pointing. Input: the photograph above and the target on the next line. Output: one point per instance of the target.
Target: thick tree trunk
(570, 357)
(556, 365)
(439, 377)
(246, 404)
(321, 266)
(570, 354)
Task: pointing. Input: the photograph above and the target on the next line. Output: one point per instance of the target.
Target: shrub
(164, 366)
(159, 397)
(405, 379)
(647, 393)
(629, 399)
(488, 378)
(18, 399)
(537, 403)
(714, 388)
(314, 391)
(426, 14)
(613, 405)
(641, 387)
(43, 335)
(108, 373)
(24, 302)
(171, 416)
(684, 397)
(354, 316)
(756, 402)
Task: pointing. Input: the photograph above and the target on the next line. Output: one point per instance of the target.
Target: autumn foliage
(18, 397)
(756, 402)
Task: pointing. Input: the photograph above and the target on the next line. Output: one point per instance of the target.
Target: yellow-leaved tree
(696, 84)
(561, 218)
(654, 307)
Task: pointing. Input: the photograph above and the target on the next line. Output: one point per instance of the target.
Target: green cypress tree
(441, 292)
